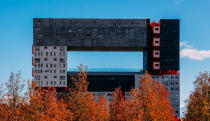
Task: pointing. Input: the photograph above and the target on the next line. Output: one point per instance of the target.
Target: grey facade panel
(95, 33)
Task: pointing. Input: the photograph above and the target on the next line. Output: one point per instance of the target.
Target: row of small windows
(62, 48)
(165, 77)
(119, 24)
(55, 77)
(49, 71)
(51, 83)
(49, 65)
(171, 83)
(37, 60)
(172, 89)
(50, 53)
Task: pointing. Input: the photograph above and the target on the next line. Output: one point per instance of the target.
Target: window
(156, 65)
(55, 47)
(55, 77)
(156, 29)
(156, 53)
(62, 77)
(156, 41)
(37, 77)
(55, 59)
(45, 47)
(46, 53)
(46, 71)
(62, 60)
(45, 77)
(45, 59)
(46, 82)
(54, 71)
(37, 60)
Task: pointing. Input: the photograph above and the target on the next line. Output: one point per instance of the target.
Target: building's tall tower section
(163, 57)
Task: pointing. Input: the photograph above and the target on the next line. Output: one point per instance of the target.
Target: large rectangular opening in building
(106, 61)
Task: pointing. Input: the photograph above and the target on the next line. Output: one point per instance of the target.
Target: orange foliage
(149, 102)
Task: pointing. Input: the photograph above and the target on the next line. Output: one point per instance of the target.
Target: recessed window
(62, 77)
(37, 60)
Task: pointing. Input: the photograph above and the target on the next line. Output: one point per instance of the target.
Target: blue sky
(16, 32)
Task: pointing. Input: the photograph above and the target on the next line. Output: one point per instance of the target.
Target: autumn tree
(43, 105)
(149, 102)
(14, 87)
(12, 96)
(82, 103)
(155, 100)
(198, 102)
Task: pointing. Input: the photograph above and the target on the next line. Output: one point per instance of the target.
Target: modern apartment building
(159, 42)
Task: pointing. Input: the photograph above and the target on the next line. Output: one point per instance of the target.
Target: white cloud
(192, 53)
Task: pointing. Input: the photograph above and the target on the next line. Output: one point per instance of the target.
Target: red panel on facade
(32, 50)
(32, 61)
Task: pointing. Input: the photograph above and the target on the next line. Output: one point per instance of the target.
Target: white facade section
(50, 66)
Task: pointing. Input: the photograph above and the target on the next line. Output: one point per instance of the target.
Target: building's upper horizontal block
(91, 34)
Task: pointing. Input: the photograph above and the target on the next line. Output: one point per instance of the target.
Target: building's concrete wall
(50, 66)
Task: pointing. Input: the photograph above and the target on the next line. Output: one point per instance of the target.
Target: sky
(16, 34)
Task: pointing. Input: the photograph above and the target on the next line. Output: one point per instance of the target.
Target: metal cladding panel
(90, 34)
(169, 44)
